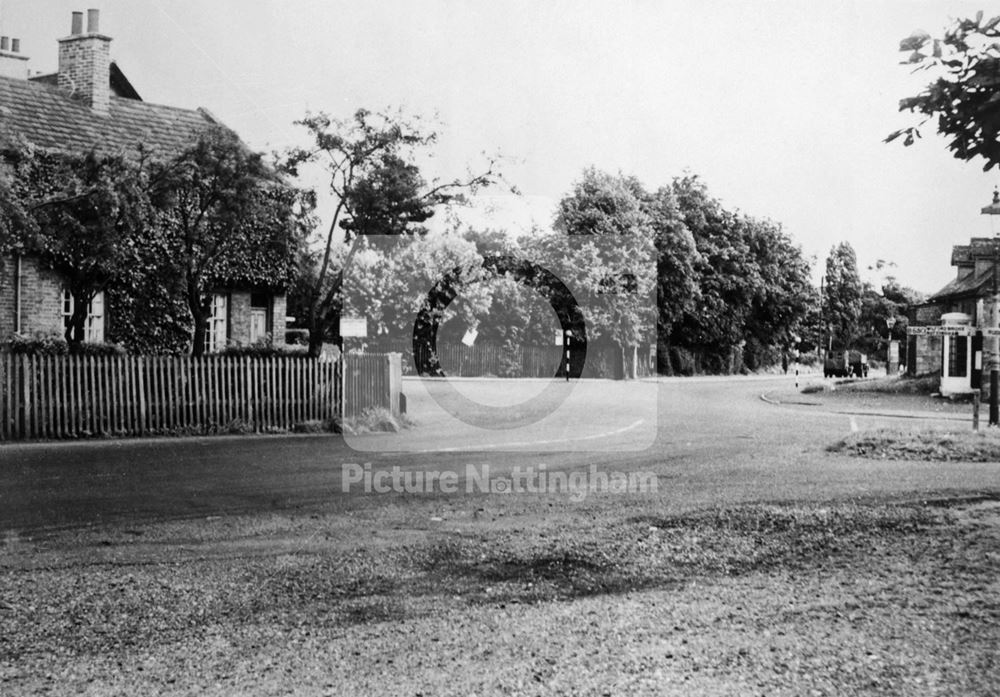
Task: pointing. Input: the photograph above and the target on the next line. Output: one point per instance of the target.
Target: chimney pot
(4, 43)
(84, 63)
(15, 45)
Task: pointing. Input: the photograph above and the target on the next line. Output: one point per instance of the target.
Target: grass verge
(931, 444)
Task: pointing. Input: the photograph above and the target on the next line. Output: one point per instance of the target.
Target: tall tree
(842, 297)
(677, 257)
(714, 329)
(616, 277)
(376, 189)
(225, 218)
(782, 296)
(965, 63)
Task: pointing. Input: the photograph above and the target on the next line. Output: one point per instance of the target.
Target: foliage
(85, 217)
(615, 277)
(753, 292)
(264, 349)
(964, 94)
(377, 189)
(225, 218)
(48, 345)
(677, 256)
(842, 296)
(39, 345)
(149, 316)
(87, 348)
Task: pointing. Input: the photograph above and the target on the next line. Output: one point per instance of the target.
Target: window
(258, 317)
(958, 357)
(93, 328)
(215, 327)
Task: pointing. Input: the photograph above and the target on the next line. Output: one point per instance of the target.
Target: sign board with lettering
(940, 331)
(354, 326)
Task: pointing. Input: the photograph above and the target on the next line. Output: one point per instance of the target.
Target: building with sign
(945, 331)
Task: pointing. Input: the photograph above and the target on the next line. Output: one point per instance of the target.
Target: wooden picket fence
(372, 380)
(79, 396)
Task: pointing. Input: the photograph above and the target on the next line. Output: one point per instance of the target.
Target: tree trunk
(664, 362)
(315, 340)
(200, 309)
(76, 332)
(198, 336)
(199, 313)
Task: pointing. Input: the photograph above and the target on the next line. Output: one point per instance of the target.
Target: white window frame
(93, 328)
(217, 325)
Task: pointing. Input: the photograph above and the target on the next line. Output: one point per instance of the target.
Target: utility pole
(822, 319)
(994, 318)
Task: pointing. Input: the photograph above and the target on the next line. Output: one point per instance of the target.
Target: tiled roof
(120, 84)
(48, 117)
(973, 284)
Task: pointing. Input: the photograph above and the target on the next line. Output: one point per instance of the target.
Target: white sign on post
(470, 337)
(940, 331)
(354, 326)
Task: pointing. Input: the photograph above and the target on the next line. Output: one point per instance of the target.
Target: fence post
(975, 409)
(26, 393)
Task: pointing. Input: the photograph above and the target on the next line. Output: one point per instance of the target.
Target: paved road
(716, 442)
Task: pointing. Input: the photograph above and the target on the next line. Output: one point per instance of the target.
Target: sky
(779, 106)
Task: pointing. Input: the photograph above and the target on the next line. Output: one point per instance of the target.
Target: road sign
(470, 337)
(940, 331)
(354, 326)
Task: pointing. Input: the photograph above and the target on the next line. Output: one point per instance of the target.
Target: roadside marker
(854, 425)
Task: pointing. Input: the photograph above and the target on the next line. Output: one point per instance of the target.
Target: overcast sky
(780, 107)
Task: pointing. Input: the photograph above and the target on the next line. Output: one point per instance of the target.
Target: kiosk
(957, 354)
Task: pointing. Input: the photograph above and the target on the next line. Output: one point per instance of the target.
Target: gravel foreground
(424, 598)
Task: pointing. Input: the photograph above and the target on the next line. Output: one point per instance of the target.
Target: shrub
(264, 349)
(89, 349)
(375, 419)
(38, 345)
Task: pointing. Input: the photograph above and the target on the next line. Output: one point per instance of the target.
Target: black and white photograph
(419, 348)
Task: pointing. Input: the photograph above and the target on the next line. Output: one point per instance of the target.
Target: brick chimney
(12, 62)
(85, 63)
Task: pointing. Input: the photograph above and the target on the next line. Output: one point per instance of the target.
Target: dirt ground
(459, 597)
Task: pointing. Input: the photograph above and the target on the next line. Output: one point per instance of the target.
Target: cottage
(957, 311)
(89, 104)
